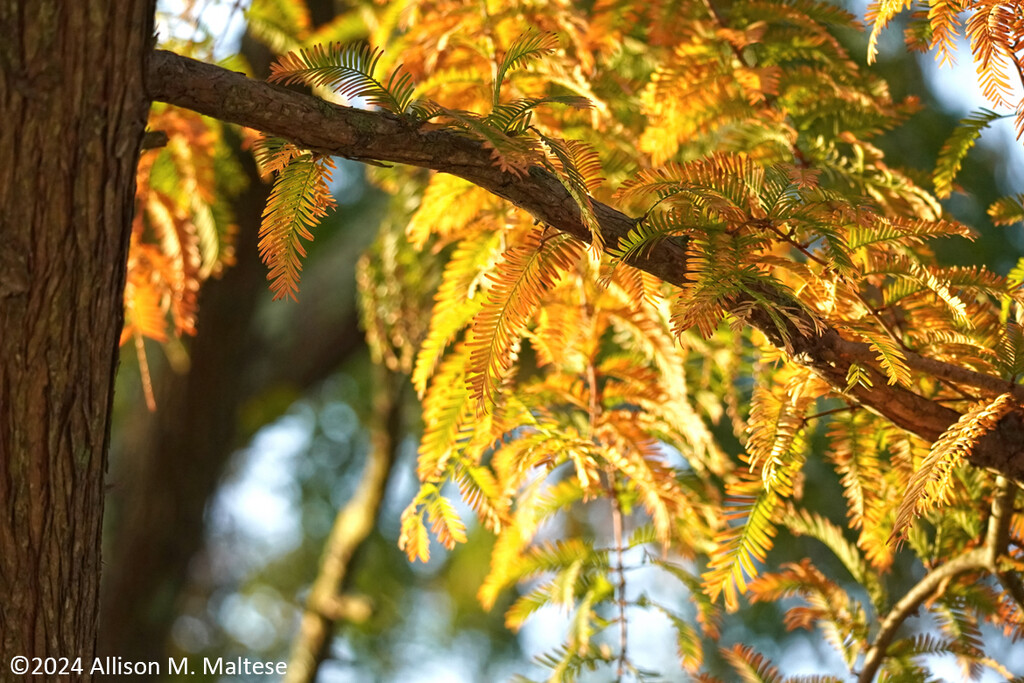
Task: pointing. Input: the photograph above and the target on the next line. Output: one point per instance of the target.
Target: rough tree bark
(74, 110)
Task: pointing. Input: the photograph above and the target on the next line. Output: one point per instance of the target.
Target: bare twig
(621, 590)
(1005, 497)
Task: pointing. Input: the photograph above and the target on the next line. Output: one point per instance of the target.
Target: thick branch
(376, 136)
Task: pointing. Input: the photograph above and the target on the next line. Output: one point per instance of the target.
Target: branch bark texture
(376, 136)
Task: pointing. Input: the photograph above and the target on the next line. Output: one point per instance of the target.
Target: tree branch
(354, 522)
(985, 558)
(377, 136)
(973, 560)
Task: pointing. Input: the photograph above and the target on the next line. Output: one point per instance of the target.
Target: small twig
(999, 537)
(355, 521)
(1014, 586)
(154, 139)
(147, 378)
(841, 409)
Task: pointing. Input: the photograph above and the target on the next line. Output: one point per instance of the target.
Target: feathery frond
(530, 45)
(1007, 210)
(952, 154)
(526, 271)
(751, 666)
(349, 70)
(931, 482)
(299, 199)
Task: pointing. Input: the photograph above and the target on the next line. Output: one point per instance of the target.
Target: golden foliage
(932, 482)
(181, 235)
(515, 294)
(299, 199)
(558, 389)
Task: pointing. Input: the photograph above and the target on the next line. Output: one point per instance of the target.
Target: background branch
(355, 521)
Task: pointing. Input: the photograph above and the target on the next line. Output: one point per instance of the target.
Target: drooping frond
(930, 484)
(1011, 351)
(440, 514)
(349, 70)
(751, 666)
(994, 30)
(578, 168)
(708, 613)
(637, 456)
(180, 266)
(578, 164)
(451, 208)
(879, 14)
(890, 356)
(854, 451)
(952, 154)
(526, 271)
(689, 647)
(535, 504)
(826, 607)
(1007, 210)
(447, 407)
(145, 313)
(753, 506)
(273, 154)
(776, 422)
(482, 493)
(413, 538)
(459, 298)
(299, 199)
(944, 21)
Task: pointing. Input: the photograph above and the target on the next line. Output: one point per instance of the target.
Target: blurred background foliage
(221, 501)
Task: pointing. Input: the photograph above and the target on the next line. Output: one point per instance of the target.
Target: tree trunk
(73, 107)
